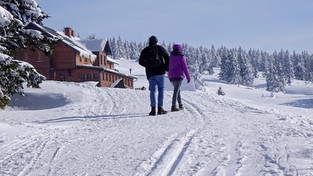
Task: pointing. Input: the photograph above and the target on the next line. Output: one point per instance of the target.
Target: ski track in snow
(113, 131)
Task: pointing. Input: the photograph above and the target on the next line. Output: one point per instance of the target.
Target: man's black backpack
(152, 57)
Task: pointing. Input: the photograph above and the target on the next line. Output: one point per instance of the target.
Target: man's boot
(152, 112)
(174, 108)
(181, 107)
(161, 111)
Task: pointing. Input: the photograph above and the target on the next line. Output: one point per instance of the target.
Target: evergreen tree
(134, 51)
(236, 77)
(264, 62)
(229, 68)
(114, 48)
(127, 52)
(119, 50)
(287, 67)
(14, 16)
(215, 59)
(273, 83)
(299, 69)
(245, 69)
(204, 62)
(236, 65)
(255, 61)
(275, 79)
(307, 64)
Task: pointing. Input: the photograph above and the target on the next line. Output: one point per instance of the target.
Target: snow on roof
(77, 45)
(72, 42)
(95, 44)
(116, 82)
(106, 70)
(112, 60)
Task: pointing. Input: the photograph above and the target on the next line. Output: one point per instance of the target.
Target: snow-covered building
(101, 48)
(74, 60)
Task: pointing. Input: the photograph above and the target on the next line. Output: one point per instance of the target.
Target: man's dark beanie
(153, 40)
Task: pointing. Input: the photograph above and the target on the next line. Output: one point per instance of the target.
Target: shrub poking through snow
(220, 91)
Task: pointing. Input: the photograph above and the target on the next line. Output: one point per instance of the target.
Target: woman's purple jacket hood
(178, 64)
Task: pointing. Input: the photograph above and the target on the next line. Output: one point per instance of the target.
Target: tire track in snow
(214, 151)
(36, 156)
(23, 155)
(121, 106)
(52, 159)
(17, 148)
(11, 145)
(204, 149)
(158, 164)
(112, 104)
(276, 158)
(165, 160)
(76, 150)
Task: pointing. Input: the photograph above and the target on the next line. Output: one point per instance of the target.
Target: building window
(89, 75)
(96, 76)
(81, 77)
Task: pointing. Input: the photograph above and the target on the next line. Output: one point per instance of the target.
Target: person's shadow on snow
(91, 118)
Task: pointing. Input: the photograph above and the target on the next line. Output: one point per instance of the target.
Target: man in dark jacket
(155, 74)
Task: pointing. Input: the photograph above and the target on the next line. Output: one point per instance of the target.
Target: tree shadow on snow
(93, 118)
(303, 103)
(37, 101)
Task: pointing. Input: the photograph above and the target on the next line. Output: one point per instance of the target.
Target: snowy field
(76, 129)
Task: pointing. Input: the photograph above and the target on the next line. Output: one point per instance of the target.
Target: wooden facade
(72, 61)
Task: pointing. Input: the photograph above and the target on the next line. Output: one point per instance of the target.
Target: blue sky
(267, 25)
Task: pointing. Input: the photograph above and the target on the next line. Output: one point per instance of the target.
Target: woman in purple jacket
(177, 71)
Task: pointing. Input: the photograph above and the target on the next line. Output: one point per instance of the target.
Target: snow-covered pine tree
(215, 59)
(203, 62)
(120, 50)
(264, 62)
(224, 66)
(299, 69)
(307, 64)
(287, 66)
(134, 51)
(202, 59)
(230, 71)
(254, 59)
(274, 79)
(127, 51)
(14, 15)
(113, 47)
(245, 67)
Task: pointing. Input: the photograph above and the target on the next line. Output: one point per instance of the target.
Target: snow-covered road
(96, 131)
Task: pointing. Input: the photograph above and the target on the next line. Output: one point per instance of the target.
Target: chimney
(69, 32)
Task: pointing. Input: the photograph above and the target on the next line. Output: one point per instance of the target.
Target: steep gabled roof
(98, 45)
(95, 44)
(71, 42)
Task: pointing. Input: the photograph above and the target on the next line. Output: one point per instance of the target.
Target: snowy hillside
(77, 129)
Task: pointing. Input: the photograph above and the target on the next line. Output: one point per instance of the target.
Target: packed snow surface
(78, 129)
